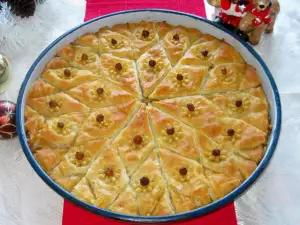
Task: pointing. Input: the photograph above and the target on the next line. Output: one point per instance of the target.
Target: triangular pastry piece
(48, 157)
(180, 81)
(194, 110)
(164, 206)
(220, 184)
(40, 88)
(144, 36)
(107, 178)
(100, 93)
(224, 77)
(153, 66)
(242, 105)
(122, 72)
(125, 202)
(253, 154)
(89, 40)
(178, 40)
(173, 134)
(233, 133)
(148, 184)
(60, 132)
(245, 166)
(33, 125)
(135, 142)
(163, 28)
(56, 105)
(56, 63)
(83, 58)
(68, 77)
(84, 192)
(216, 158)
(186, 181)
(116, 40)
(76, 163)
(227, 54)
(250, 79)
(106, 122)
(201, 52)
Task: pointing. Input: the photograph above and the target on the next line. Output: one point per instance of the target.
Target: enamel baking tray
(175, 18)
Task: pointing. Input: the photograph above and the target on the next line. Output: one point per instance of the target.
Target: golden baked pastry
(148, 119)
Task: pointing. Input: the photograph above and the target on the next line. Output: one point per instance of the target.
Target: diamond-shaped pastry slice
(224, 77)
(178, 40)
(89, 40)
(233, 133)
(106, 122)
(40, 88)
(215, 157)
(83, 58)
(164, 207)
(125, 202)
(194, 111)
(201, 52)
(135, 142)
(121, 72)
(68, 77)
(144, 36)
(76, 163)
(60, 132)
(56, 105)
(107, 178)
(153, 66)
(186, 181)
(100, 93)
(220, 184)
(173, 134)
(116, 40)
(148, 184)
(180, 81)
(242, 105)
(227, 54)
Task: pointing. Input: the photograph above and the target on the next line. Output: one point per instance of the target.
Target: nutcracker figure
(249, 19)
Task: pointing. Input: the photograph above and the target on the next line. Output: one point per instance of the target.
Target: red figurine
(249, 19)
(232, 11)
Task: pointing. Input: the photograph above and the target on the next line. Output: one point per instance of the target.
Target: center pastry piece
(148, 119)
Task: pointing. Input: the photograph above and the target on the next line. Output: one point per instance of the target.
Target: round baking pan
(175, 18)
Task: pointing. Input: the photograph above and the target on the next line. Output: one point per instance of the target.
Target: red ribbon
(73, 215)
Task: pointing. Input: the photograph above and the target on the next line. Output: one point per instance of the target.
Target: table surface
(273, 200)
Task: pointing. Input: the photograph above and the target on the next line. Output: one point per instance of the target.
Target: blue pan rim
(159, 219)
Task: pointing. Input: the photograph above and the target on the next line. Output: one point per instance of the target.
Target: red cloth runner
(73, 215)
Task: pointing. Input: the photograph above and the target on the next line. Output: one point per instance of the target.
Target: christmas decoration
(249, 19)
(260, 19)
(22, 8)
(232, 11)
(4, 73)
(7, 120)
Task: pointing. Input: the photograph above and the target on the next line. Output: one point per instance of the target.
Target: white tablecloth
(273, 200)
